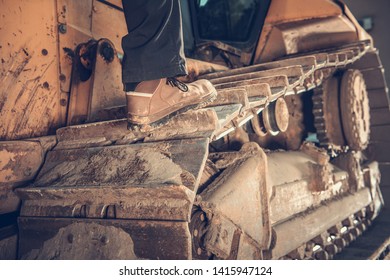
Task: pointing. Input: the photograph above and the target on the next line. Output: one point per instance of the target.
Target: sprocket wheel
(327, 115)
(355, 110)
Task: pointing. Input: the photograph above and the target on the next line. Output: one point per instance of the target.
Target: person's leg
(153, 57)
(153, 49)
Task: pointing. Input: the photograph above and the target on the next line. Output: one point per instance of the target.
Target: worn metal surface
(107, 91)
(99, 171)
(352, 163)
(104, 186)
(320, 220)
(37, 40)
(30, 101)
(303, 26)
(192, 124)
(96, 92)
(300, 187)
(97, 23)
(113, 190)
(87, 239)
(331, 242)
(238, 213)
(140, 181)
(308, 221)
(20, 162)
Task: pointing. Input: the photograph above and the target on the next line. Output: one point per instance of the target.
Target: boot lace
(173, 82)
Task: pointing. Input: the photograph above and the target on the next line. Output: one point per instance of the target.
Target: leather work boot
(156, 100)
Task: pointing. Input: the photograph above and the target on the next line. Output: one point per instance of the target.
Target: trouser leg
(153, 48)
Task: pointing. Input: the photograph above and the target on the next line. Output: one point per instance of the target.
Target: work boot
(156, 100)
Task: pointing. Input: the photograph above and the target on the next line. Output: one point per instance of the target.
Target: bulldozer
(284, 164)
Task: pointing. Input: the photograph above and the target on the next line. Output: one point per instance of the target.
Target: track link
(242, 95)
(260, 85)
(333, 241)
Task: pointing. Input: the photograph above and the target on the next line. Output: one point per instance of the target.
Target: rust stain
(7, 162)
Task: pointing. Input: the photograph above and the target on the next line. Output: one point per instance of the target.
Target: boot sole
(137, 123)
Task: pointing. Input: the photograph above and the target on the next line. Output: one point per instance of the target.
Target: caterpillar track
(284, 164)
(179, 201)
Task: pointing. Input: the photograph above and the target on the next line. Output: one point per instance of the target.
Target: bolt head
(62, 28)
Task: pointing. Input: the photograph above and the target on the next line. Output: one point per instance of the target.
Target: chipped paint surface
(106, 166)
(19, 161)
(85, 242)
(143, 193)
(7, 173)
(29, 92)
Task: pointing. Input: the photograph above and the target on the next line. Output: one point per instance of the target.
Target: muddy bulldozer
(284, 164)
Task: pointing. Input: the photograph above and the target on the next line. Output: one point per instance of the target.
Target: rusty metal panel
(19, 163)
(235, 206)
(110, 130)
(96, 92)
(291, 234)
(95, 83)
(151, 181)
(189, 125)
(293, 192)
(157, 202)
(90, 239)
(73, 29)
(107, 90)
(29, 96)
(296, 36)
(108, 22)
(82, 83)
(248, 250)
(281, 10)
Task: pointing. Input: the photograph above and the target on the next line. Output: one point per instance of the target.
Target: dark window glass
(226, 20)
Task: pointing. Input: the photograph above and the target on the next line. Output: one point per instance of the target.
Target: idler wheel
(355, 110)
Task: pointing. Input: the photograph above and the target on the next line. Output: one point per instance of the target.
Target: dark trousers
(153, 48)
